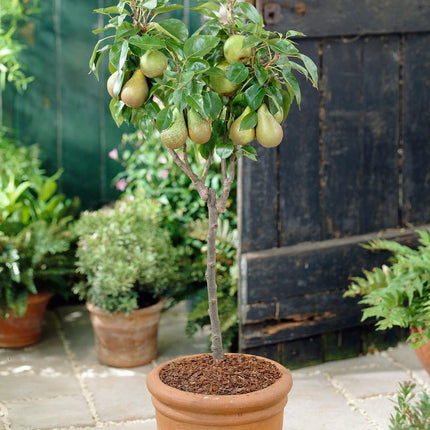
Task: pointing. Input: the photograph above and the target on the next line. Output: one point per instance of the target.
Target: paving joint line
(88, 395)
(412, 374)
(105, 424)
(350, 400)
(32, 399)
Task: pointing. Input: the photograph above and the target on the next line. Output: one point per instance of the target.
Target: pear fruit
(199, 128)
(268, 131)
(234, 51)
(238, 136)
(220, 84)
(176, 135)
(153, 64)
(110, 83)
(135, 91)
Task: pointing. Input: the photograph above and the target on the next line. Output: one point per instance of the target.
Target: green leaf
(123, 54)
(195, 101)
(249, 152)
(147, 42)
(249, 121)
(48, 190)
(311, 67)
(250, 11)
(254, 96)
(115, 107)
(164, 119)
(149, 4)
(111, 10)
(293, 33)
(293, 86)
(167, 9)
(261, 74)
(206, 149)
(198, 46)
(197, 65)
(215, 104)
(174, 28)
(224, 149)
(236, 72)
(284, 47)
(251, 41)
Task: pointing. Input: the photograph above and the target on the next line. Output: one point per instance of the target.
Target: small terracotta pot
(423, 351)
(180, 410)
(126, 339)
(17, 332)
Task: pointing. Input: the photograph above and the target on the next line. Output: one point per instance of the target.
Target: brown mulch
(236, 374)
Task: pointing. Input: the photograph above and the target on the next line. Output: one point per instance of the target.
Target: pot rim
(39, 297)
(156, 307)
(222, 404)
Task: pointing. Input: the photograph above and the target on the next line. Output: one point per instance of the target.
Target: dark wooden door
(354, 162)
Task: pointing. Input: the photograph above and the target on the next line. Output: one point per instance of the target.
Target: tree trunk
(217, 349)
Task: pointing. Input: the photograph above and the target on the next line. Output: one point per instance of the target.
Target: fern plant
(398, 294)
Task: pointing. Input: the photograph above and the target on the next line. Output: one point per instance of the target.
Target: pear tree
(206, 95)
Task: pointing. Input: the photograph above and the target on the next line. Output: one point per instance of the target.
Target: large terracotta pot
(126, 339)
(423, 351)
(17, 332)
(180, 410)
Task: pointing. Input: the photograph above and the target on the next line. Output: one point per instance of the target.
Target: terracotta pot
(16, 332)
(126, 339)
(180, 410)
(423, 351)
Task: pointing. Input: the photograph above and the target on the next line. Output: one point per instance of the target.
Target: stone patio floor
(58, 383)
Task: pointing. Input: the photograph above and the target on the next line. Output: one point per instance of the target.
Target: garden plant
(207, 95)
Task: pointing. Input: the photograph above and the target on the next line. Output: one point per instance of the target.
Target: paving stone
(121, 397)
(315, 404)
(49, 413)
(378, 409)
(44, 385)
(405, 355)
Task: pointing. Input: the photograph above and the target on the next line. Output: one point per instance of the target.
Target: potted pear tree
(207, 95)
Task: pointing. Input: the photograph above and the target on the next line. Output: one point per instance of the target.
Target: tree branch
(207, 167)
(227, 181)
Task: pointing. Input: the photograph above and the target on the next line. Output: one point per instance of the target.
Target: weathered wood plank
(348, 17)
(257, 201)
(360, 131)
(299, 165)
(416, 129)
(279, 274)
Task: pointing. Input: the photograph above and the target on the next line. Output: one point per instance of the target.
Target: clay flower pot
(181, 410)
(423, 351)
(17, 332)
(126, 339)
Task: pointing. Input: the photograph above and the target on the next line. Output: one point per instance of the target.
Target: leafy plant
(398, 294)
(125, 255)
(412, 410)
(35, 241)
(14, 16)
(207, 95)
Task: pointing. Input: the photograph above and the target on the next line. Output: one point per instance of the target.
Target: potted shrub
(129, 265)
(207, 95)
(398, 294)
(36, 259)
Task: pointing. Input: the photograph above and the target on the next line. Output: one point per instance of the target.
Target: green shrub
(125, 255)
(412, 410)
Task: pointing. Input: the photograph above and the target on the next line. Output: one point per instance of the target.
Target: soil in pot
(126, 339)
(17, 332)
(242, 392)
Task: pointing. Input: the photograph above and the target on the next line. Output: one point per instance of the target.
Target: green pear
(110, 83)
(233, 50)
(269, 133)
(135, 91)
(238, 136)
(176, 135)
(220, 84)
(199, 128)
(153, 64)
